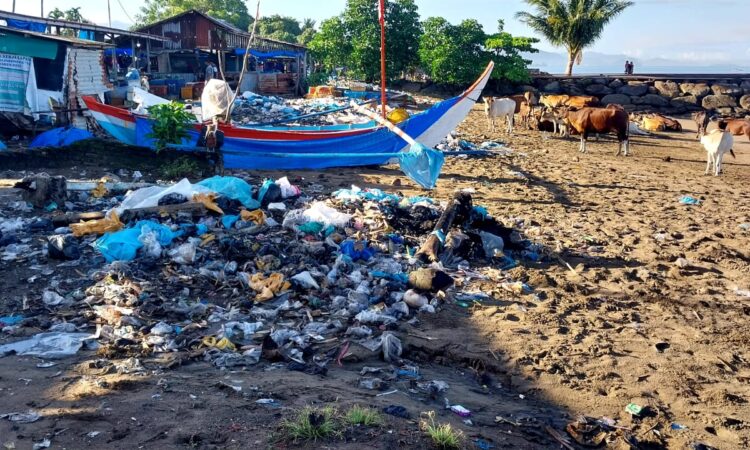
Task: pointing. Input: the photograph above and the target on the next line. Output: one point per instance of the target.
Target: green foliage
(308, 32)
(358, 415)
(170, 124)
(506, 52)
(233, 11)
(330, 47)
(454, 54)
(443, 436)
(318, 78)
(311, 424)
(71, 15)
(573, 24)
(182, 167)
(278, 27)
(352, 40)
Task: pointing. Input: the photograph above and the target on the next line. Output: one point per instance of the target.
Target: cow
(738, 127)
(717, 143)
(571, 101)
(503, 108)
(657, 122)
(524, 114)
(701, 119)
(600, 120)
(527, 97)
(548, 118)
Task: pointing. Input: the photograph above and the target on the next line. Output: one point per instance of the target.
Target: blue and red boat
(304, 147)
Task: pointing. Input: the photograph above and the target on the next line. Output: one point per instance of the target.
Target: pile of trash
(233, 274)
(251, 108)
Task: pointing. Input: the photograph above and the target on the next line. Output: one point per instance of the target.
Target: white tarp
(145, 100)
(215, 99)
(17, 83)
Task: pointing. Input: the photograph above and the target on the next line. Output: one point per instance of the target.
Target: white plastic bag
(215, 99)
(150, 196)
(151, 245)
(287, 189)
(184, 254)
(320, 212)
(306, 280)
(47, 345)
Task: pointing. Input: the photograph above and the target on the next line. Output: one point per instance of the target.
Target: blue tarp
(233, 188)
(26, 25)
(60, 137)
(87, 35)
(272, 54)
(120, 51)
(124, 244)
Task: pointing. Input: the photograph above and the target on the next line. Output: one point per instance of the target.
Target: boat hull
(303, 148)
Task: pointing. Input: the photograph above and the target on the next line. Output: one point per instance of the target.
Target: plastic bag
(391, 347)
(184, 254)
(357, 250)
(233, 188)
(151, 245)
(288, 190)
(306, 280)
(493, 245)
(257, 216)
(123, 245)
(150, 196)
(422, 165)
(320, 212)
(47, 345)
(215, 99)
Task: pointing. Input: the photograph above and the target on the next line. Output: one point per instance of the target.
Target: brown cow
(657, 122)
(527, 97)
(737, 127)
(581, 101)
(600, 120)
(701, 119)
(553, 101)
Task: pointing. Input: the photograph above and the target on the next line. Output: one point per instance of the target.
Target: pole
(14, 5)
(42, 9)
(109, 13)
(382, 56)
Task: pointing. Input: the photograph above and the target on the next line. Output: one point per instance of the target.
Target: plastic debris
(398, 411)
(47, 345)
(100, 226)
(689, 200)
(29, 416)
(306, 280)
(460, 411)
(64, 248)
(634, 409)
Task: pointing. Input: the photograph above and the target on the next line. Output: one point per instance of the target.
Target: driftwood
(194, 208)
(459, 207)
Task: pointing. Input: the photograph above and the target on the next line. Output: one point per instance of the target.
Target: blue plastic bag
(347, 248)
(233, 188)
(3, 146)
(422, 165)
(228, 221)
(263, 189)
(60, 137)
(123, 245)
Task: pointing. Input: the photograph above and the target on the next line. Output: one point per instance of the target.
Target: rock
(527, 88)
(726, 111)
(718, 101)
(618, 99)
(685, 100)
(598, 89)
(553, 87)
(600, 80)
(633, 89)
(41, 190)
(727, 89)
(745, 102)
(653, 100)
(573, 89)
(745, 85)
(584, 82)
(668, 89)
(699, 90)
(615, 84)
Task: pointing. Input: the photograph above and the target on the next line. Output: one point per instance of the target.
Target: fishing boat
(305, 147)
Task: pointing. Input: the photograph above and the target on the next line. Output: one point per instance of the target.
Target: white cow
(503, 108)
(717, 143)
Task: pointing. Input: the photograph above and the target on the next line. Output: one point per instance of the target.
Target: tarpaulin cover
(272, 54)
(422, 165)
(60, 137)
(26, 25)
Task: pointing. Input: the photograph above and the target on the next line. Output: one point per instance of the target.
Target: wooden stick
(430, 250)
(195, 208)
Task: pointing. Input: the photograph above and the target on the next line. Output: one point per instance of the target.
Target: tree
(573, 24)
(232, 11)
(308, 32)
(330, 46)
(362, 28)
(71, 15)
(454, 54)
(506, 52)
(278, 27)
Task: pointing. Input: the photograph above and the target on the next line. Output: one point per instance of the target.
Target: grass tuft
(311, 424)
(358, 415)
(443, 436)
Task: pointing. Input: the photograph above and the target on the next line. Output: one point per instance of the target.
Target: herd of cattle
(564, 115)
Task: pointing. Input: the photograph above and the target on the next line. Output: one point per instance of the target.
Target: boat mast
(382, 56)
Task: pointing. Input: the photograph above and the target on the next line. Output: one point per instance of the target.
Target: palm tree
(574, 24)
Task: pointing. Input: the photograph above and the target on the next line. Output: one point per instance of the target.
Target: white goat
(504, 108)
(717, 143)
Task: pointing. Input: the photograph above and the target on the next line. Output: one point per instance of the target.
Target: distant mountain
(599, 63)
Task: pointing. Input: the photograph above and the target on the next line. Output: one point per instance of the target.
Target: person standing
(632, 67)
(627, 67)
(210, 71)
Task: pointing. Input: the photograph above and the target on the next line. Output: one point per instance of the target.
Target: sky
(699, 32)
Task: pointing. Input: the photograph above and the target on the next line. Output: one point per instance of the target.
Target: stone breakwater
(727, 96)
